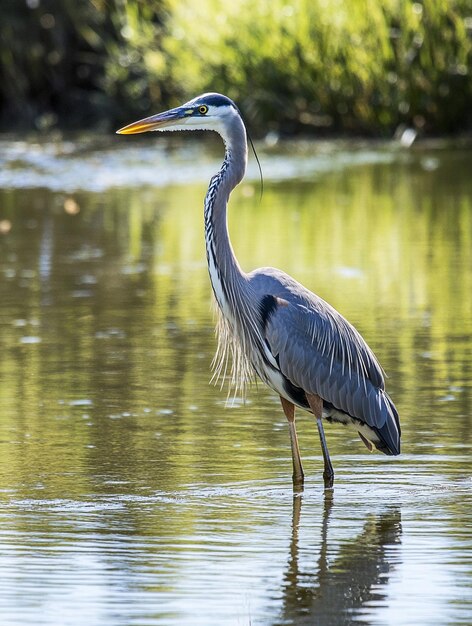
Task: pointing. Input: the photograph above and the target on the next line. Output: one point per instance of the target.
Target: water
(130, 492)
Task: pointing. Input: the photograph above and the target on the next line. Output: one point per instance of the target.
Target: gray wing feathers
(319, 351)
(390, 431)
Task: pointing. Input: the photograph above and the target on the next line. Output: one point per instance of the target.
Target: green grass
(356, 66)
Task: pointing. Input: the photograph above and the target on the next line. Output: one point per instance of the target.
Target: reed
(351, 66)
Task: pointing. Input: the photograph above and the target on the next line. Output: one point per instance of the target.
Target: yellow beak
(154, 122)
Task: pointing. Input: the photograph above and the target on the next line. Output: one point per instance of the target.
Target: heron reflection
(334, 590)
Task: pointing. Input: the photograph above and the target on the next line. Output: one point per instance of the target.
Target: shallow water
(130, 492)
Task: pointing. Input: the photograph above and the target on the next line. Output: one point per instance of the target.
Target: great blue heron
(299, 345)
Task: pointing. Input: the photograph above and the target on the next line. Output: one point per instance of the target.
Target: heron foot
(298, 476)
(328, 478)
(316, 405)
(298, 483)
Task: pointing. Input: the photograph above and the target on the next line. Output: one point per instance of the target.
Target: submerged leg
(316, 405)
(289, 410)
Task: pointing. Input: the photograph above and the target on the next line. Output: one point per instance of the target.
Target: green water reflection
(106, 346)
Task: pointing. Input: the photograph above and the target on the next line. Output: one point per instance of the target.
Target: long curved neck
(226, 276)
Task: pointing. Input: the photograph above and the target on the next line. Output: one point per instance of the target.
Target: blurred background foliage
(355, 66)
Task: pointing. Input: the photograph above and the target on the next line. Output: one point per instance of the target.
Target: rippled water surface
(131, 493)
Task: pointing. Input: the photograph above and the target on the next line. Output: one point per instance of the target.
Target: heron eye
(203, 109)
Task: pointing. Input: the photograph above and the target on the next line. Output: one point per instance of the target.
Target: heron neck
(227, 278)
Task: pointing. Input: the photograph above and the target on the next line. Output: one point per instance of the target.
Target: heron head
(210, 111)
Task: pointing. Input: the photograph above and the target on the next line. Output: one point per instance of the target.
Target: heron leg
(289, 410)
(316, 405)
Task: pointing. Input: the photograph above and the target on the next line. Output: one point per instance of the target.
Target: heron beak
(154, 122)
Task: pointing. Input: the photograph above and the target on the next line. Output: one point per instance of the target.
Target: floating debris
(30, 339)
